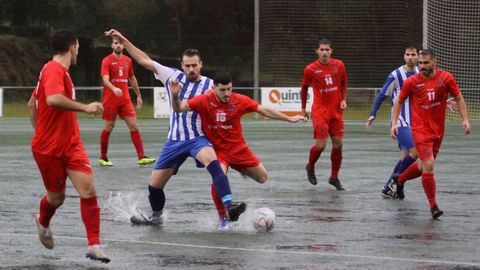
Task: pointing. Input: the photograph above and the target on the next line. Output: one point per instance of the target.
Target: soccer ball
(265, 219)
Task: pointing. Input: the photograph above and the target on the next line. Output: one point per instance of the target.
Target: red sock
(91, 219)
(410, 173)
(137, 142)
(430, 188)
(336, 158)
(46, 212)
(314, 156)
(222, 212)
(104, 144)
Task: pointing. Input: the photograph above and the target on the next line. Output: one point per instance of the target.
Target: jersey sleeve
(406, 88)
(453, 88)
(53, 82)
(387, 90)
(307, 76)
(105, 67)
(196, 103)
(163, 73)
(248, 104)
(344, 82)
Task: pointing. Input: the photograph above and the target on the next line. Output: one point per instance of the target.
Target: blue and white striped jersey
(392, 88)
(186, 125)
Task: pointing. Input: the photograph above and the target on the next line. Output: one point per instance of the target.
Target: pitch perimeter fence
(13, 100)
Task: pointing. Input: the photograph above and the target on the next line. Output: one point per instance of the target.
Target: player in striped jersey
(185, 136)
(392, 88)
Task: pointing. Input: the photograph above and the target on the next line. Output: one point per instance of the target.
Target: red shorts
(239, 160)
(324, 127)
(123, 110)
(54, 169)
(426, 147)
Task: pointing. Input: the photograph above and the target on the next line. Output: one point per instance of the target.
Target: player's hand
(466, 127)
(114, 34)
(117, 92)
(394, 132)
(343, 105)
(452, 105)
(175, 87)
(370, 120)
(94, 108)
(304, 114)
(139, 102)
(298, 117)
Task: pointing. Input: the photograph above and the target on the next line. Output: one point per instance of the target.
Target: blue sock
(220, 182)
(395, 170)
(405, 163)
(401, 166)
(157, 199)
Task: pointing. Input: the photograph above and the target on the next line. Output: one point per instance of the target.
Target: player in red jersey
(117, 71)
(328, 78)
(57, 147)
(428, 92)
(220, 111)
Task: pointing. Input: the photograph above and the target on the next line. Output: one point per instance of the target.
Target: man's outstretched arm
(141, 57)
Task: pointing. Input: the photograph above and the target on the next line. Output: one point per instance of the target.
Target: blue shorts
(405, 138)
(174, 153)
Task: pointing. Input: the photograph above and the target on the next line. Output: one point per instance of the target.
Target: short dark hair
(62, 40)
(324, 41)
(411, 47)
(222, 77)
(191, 53)
(428, 52)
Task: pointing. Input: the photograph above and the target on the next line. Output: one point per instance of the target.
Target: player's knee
(262, 178)
(428, 165)
(133, 128)
(109, 127)
(57, 200)
(321, 147)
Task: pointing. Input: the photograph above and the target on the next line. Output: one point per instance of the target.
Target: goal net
(370, 39)
(452, 30)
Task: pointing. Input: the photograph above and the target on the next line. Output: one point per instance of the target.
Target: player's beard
(192, 76)
(224, 99)
(118, 51)
(426, 72)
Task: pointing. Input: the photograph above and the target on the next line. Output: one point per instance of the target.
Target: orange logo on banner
(275, 97)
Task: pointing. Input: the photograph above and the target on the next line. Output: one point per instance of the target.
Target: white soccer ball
(265, 219)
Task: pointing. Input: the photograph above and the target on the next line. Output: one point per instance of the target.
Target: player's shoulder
(414, 79)
(107, 58)
(443, 73)
(337, 62)
(53, 67)
(241, 98)
(126, 58)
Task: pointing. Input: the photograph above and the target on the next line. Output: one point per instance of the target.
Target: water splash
(121, 206)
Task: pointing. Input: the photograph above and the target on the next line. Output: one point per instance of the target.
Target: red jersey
(221, 121)
(119, 71)
(329, 83)
(428, 98)
(57, 129)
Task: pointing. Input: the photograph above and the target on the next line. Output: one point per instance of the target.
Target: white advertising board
(161, 104)
(285, 99)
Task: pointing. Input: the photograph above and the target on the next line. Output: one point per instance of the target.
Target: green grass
(19, 109)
